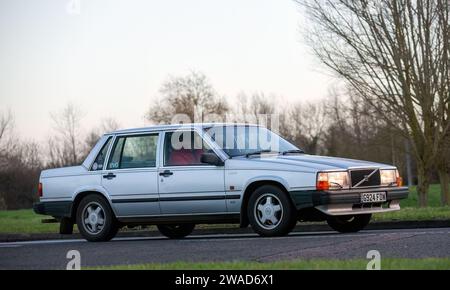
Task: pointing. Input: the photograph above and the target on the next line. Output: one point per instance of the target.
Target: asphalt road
(417, 243)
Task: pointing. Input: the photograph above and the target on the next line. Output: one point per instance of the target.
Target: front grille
(359, 175)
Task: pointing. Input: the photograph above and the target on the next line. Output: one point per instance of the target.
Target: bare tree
(6, 127)
(6, 121)
(261, 105)
(253, 108)
(306, 125)
(301, 123)
(19, 178)
(108, 125)
(56, 153)
(20, 164)
(65, 147)
(395, 54)
(186, 95)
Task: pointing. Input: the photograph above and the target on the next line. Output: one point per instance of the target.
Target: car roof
(176, 126)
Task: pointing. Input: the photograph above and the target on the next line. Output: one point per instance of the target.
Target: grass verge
(24, 221)
(434, 197)
(414, 214)
(386, 264)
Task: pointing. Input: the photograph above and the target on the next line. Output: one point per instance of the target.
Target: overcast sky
(110, 56)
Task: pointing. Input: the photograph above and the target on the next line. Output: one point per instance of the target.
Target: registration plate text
(373, 197)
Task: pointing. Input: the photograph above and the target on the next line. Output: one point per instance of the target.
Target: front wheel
(349, 224)
(270, 212)
(176, 231)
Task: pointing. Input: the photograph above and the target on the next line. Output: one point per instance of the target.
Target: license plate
(373, 197)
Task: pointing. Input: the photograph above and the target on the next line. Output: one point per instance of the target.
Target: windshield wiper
(259, 152)
(295, 151)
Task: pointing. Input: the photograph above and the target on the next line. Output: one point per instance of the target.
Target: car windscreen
(242, 140)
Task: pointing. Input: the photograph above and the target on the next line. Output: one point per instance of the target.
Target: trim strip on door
(155, 199)
(181, 198)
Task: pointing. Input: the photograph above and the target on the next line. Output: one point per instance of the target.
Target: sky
(110, 57)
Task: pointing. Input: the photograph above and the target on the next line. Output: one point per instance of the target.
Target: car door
(187, 186)
(130, 176)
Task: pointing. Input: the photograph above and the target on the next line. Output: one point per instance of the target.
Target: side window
(184, 148)
(139, 152)
(134, 152)
(100, 160)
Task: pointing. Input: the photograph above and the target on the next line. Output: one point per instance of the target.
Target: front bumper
(348, 202)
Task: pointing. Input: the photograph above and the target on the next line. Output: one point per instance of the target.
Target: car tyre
(349, 224)
(271, 212)
(176, 231)
(95, 219)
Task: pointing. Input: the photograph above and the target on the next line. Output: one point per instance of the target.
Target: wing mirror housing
(211, 158)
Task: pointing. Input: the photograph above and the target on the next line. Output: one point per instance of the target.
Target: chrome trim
(52, 199)
(176, 127)
(176, 215)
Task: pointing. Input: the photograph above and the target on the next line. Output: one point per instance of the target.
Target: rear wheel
(95, 219)
(270, 212)
(176, 231)
(349, 224)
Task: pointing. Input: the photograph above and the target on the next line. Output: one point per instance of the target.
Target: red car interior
(185, 157)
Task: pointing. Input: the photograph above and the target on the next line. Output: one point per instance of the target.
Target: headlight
(332, 180)
(390, 177)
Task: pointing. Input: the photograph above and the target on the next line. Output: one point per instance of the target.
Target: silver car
(177, 176)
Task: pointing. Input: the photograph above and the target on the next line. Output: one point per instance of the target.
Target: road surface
(417, 243)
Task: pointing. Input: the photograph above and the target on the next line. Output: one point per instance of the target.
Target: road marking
(234, 237)
(253, 236)
(11, 246)
(209, 237)
(43, 242)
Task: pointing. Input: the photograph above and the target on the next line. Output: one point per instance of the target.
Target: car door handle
(166, 173)
(109, 176)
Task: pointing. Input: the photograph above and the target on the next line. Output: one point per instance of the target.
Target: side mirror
(211, 158)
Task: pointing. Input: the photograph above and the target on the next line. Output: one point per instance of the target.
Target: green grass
(411, 211)
(356, 264)
(24, 221)
(27, 222)
(434, 197)
(415, 214)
